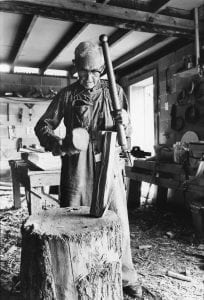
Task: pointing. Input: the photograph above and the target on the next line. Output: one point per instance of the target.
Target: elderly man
(87, 104)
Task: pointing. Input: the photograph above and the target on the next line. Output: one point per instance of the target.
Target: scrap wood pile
(166, 254)
(10, 248)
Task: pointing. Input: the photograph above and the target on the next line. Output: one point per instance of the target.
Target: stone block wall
(11, 126)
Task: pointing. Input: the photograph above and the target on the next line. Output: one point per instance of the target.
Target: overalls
(93, 112)
(90, 110)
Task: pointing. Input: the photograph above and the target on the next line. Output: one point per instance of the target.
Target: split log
(100, 202)
(178, 276)
(67, 254)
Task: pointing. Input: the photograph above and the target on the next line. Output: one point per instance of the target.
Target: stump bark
(66, 254)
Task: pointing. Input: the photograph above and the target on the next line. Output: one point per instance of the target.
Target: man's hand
(60, 149)
(77, 142)
(121, 117)
(57, 148)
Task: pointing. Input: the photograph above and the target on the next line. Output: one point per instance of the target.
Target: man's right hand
(57, 148)
(74, 145)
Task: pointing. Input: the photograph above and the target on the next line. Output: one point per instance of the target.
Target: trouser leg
(119, 206)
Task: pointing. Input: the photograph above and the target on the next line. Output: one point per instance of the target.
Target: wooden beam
(142, 5)
(152, 58)
(67, 38)
(153, 41)
(121, 33)
(139, 49)
(103, 1)
(150, 43)
(118, 35)
(201, 12)
(158, 5)
(178, 13)
(96, 13)
(21, 38)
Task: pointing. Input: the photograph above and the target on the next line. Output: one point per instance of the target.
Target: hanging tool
(122, 141)
(8, 111)
(20, 114)
(30, 107)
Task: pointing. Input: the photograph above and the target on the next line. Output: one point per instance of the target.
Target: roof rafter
(152, 58)
(21, 38)
(88, 12)
(147, 44)
(119, 34)
(177, 12)
(139, 49)
(160, 6)
(138, 4)
(163, 7)
(67, 38)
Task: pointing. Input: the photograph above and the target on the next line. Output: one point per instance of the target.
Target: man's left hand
(121, 117)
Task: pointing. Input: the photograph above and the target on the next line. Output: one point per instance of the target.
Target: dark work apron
(92, 112)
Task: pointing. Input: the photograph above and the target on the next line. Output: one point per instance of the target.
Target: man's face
(89, 69)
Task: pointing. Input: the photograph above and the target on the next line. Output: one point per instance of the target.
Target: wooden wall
(169, 87)
(9, 114)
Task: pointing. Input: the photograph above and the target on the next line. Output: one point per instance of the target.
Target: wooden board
(157, 166)
(171, 183)
(44, 161)
(100, 200)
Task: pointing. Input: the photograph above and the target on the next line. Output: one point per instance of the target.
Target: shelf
(23, 100)
(189, 72)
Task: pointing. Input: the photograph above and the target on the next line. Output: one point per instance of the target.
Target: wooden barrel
(67, 254)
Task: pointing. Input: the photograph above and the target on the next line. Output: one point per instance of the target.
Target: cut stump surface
(67, 254)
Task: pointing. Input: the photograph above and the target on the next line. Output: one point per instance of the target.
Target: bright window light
(75, 75)
(26, 70)
(4, 68)
(54, 72)
(104, 76)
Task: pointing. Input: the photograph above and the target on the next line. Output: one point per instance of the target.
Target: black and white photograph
(102, 149)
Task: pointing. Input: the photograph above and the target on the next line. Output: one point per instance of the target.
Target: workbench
(34, 181)
(164, 175)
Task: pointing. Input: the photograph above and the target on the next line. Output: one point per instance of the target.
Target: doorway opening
(142, 108)
(142, 114)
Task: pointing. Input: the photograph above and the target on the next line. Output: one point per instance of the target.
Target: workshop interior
(153, 49)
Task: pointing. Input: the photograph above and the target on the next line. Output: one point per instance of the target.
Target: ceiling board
(133, 40)
(45, 35)
(148, 52)
(185, 4)
(9, 25)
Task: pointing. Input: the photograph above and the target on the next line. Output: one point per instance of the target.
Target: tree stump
(67, 254)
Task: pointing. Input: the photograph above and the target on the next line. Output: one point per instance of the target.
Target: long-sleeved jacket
(79, 108)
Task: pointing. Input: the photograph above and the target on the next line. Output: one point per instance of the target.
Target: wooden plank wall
(167, 66)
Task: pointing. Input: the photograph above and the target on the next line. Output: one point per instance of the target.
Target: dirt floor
(161, 242)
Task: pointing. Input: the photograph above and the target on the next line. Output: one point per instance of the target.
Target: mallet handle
(113, 91)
